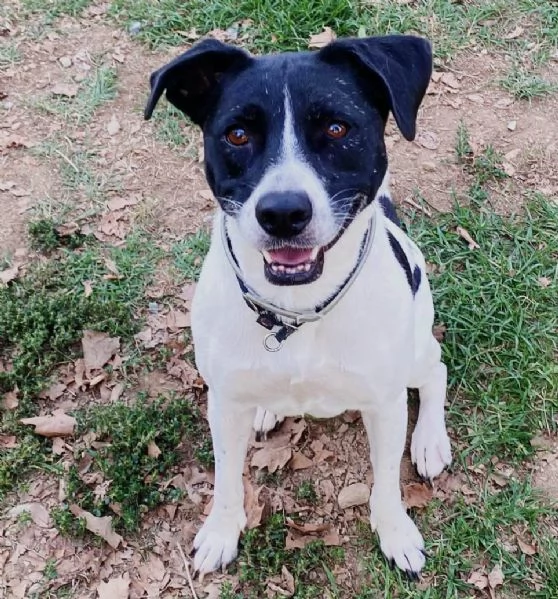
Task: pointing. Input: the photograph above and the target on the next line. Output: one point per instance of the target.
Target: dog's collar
(271, 316)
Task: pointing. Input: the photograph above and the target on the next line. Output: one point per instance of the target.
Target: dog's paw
(216, 543)
(400, 540)
(265, 421)
(430, 448)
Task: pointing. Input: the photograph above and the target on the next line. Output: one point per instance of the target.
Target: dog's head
(294, 143)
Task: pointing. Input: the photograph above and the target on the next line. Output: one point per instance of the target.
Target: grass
(188, 254)
(51, 9)
(526, 85)
(9, 55)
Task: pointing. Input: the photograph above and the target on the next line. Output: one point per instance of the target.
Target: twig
(408, 200)
(187, 566)
(67, 160)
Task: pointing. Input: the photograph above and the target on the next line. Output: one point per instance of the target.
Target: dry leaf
(308, 527)
(152, 450)
(254, 509)
(8, 441)
(517, 32)
(417, 495)
(450, 80)
(98, 349)
(55, 391)
(9, 274)
(65, 89)
(439, 332)
(478, 579)
(98, 526)
(39, 514)
(464, 234)
(10, 400)
(299, 461)
(115, 588)
(57, 425)
(177, 319)
(544, 282)
(271, 458)
(356, 494)
(322, 39)
(121, 203)
(526, 548)
(428, 140)
(496, 577)
(113, 126)
(87, 288)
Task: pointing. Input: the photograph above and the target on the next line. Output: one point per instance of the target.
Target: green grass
(188, 254)
(523, 84)
(9, 55)
(51, 9)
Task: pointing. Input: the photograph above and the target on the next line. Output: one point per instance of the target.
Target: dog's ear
(403, 64)
(193, 77)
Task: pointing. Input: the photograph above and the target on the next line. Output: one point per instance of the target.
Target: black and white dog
(311, 300)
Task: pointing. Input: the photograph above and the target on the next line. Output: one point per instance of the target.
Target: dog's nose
(284, 214)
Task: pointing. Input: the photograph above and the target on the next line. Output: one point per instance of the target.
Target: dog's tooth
(314, 253)
(307, 267)
(280, 268)
(267, 256)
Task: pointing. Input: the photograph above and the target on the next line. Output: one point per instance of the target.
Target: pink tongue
(290, 256)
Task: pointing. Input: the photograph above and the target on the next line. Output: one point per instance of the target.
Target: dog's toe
(430, 448)
(265, 421)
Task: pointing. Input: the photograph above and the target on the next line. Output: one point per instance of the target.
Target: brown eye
(237, 136)
(336, 130)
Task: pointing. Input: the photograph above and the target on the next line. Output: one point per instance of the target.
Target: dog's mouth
(292, 265)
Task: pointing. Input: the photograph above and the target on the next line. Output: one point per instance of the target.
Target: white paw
(265, 421)
(430, 447)
(216, 543)
(400, 540)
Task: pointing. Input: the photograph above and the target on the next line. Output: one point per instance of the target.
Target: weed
(126, 458)
(9, 55)
(173, 128)
(50, 572)
(463, 148)
(525, 85)
(66, 523)
(487, 166)
(307, 492)
(189, 253)
(56, 8)
(45, 237)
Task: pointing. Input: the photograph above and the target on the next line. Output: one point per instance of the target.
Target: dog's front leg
(400, 539)
(216, 543)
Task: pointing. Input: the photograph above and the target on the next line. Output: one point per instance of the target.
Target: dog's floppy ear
(191, 78)
(402, 62)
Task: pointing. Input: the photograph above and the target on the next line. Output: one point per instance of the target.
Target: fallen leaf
(495, 577)
(187, 294)
(450, 80)
(428, 140)
(65, 89)
(319, 40)
(308, 527)
(112, 225)
(288, 580)
(478, 579)
(87, 288)
(356, 494)
(58, 446)
(544, 282)
(55, 391)
(439, 332)
(115, 588)
(254, 509)
(57, 425)
(8, 441)
(10, 400)
(271, 458)
(464, 234)
(152, 450)
(417, 495)
(121, 203)
(113, 126)
(517, 32)
(39, 514)
(98, 349)
(526, 548)
(101, 527)
(177, 319)
(9, 274)
(299, 461)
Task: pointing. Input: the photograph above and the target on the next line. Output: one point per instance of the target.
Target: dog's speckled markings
(306, 244)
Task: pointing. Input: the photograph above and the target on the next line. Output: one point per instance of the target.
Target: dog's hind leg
(400, 539)
(265, 421)
(430, 445)
(216, 543)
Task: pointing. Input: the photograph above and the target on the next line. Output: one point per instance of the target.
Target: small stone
(512, 125)
(357, 494)
(65, 61)
(429, 167)
(134, 28)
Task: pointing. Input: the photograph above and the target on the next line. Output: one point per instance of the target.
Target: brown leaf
(439, 332)
(187, 294)
(113, 126)
(428, 140)
(417, 495)
(496, 577)
(10, 400)
(526, 548)
(450, 80)
(37, 511)
(288, 580)
(271, 458)
(319, 40)
(478, 579)
(544, 282)
(65, 89)
(152, 450)
(101, 527)
(299, 461)
(356, 494)
(254, 509)
(98, 349)
(8, 441)
(517, 32)
(9, 274)
(55, 391)
(67, 229)
(464, 234)
(308, 527)
(87, 288)
(121, 203)
(57, 425)
(177, 319)
(112, 225)
(115, 588)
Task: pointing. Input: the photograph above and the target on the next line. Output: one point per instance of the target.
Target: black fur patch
(389, 210)
(413, 276)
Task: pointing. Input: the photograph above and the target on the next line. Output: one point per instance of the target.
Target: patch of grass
(525, 85)
(46, 238)
(188, 254)
(9, 55)
(463, 149)
(175, 129)
(141, 443)
(42, 317)
(98, 88)
(263, 554)
(500, 305)
(306, 491)
(66, 523)
(51, 9)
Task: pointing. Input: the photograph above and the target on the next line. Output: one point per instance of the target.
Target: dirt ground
(173, 200)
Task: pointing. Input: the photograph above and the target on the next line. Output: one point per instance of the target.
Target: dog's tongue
(291, 256)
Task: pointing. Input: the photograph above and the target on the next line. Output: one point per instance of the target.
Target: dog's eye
(237, 136)
(336, 129)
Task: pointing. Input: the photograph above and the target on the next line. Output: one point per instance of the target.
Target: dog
(311, 300)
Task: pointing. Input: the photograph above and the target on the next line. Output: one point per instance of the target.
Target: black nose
(284, 214)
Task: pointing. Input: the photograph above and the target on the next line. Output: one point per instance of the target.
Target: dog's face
(294, 143)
